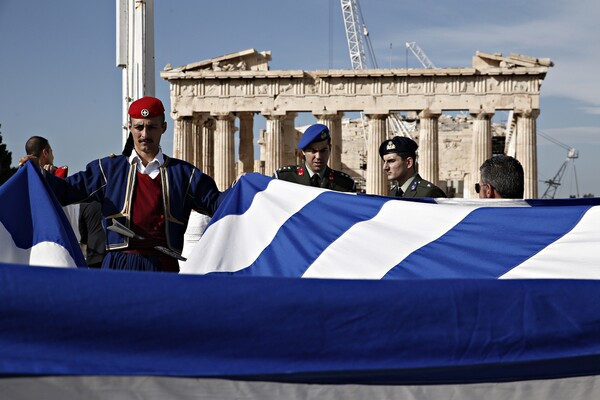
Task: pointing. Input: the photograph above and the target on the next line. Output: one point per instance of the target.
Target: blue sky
(58, 76)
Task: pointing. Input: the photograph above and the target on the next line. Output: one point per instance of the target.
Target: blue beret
(398, 144)
(314, 133)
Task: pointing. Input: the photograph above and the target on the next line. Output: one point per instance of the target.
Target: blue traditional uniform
(115, 182)
(112, 182)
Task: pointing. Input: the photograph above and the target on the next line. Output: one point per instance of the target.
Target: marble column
(198, 121)
(273, 143)
(428, 159)
(224, 150)
(290, 141)
(482, 146)
(333, 120)
(208, 147)
(246, 150)
(376, 180)
(177, 132)
(259, 165)
(182, 138)
(526, 147)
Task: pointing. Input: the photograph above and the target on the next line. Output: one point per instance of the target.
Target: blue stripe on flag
(93, 322)
(303, 237)
(464, 252)
(240, 203)
(32, 215)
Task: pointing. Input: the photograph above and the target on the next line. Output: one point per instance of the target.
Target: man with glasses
(315, 144)
(502, 177)
(399, 155)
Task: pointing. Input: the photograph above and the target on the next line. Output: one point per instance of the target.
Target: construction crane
(509, 135)
(357, 35)
(420, 54)
(358, 39)
(555, 182)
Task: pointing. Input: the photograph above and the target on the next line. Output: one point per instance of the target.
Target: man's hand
(50, 168)
(24, 159)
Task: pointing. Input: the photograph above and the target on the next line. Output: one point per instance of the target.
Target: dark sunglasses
(478, 187)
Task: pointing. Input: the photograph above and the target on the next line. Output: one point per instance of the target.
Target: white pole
(135, 52)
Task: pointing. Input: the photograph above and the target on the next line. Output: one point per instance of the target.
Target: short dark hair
(506, 176)
(35, 145)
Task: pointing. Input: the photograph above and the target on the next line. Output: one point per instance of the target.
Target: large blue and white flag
(33, 227)
(73, 334)
(94, 334)
(269, 227)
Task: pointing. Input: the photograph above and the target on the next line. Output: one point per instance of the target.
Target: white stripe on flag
(48, 254)
(573, 256)
(380, 243)
(255, 229)
(159, 387)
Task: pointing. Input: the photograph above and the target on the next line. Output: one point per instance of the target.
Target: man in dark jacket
(316, 148)
(399, 155)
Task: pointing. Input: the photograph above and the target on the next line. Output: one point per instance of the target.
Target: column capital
(245, 114)
(273, 114)
(327, 114)
(200, 117)
(481, 114)
(377, 115)
(223, 116)
(210, 124)
(430, 113)
(527, 113)
(274, 117)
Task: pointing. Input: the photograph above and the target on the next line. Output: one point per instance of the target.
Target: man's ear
(410, 162)
(164, 127)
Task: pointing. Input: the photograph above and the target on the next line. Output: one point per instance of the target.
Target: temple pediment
(483, 60)
(245, 60)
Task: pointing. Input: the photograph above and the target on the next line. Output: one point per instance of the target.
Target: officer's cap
(314, 133)
(399, 145)
(146, 107)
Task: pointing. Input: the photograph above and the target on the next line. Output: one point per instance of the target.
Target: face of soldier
(146, 134)
(396, 168)
(317, 155)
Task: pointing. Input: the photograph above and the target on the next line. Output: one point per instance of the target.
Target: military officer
(315, 144)
(399, 156)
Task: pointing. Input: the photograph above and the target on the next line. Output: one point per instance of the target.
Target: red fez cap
(146, 107)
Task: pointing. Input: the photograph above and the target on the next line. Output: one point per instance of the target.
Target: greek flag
(33, 227)
(426, 319)
(269, 227)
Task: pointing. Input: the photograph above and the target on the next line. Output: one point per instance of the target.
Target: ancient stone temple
(208, 97)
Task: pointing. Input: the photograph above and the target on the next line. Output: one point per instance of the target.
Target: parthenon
(207, 97)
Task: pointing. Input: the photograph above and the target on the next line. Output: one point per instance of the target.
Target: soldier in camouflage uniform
(399, 156)
(316, 147)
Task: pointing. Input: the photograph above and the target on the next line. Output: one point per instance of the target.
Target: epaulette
(343, 174)
(112, 155)
(288, 168)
